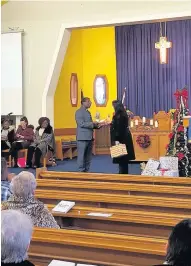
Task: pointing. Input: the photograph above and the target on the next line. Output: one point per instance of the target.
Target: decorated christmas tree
(179, 145)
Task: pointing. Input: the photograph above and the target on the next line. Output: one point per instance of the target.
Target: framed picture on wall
(74, 89)
(101, 90)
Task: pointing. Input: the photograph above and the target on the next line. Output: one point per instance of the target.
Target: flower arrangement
(172, 112)
(143, 141)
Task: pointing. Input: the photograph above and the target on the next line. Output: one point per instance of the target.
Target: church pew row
(122, 221)
(173, 181)
(95, 248)
(119, 201)
(115, 188)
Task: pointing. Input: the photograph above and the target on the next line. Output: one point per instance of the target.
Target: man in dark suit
(85, 127)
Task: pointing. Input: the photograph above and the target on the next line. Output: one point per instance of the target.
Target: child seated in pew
(23, 188)
(16, 234)
(179, 245)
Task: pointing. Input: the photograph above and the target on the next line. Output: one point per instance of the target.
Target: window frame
(106, 90)
(74, 76)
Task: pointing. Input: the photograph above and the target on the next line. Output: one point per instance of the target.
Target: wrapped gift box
(148, 172)
(173, 173)
(152, 164)
(150, 167)
(168, 162)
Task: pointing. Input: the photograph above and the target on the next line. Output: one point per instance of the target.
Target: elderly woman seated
(16, 233)
(43, 140)
(23, 187)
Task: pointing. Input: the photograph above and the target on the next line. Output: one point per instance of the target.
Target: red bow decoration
(163, 171)
(181, 93)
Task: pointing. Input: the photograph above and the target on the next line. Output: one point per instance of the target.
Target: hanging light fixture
(162, 45)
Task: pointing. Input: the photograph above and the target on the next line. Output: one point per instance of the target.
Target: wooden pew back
(95, 247)
(174, 181)
(118, 200)
(115, 187)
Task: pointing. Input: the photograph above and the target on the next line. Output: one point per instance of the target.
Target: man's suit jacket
(85, 125)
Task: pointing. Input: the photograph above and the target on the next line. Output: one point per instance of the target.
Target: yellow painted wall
(90, 52)
(3, 2)
(64, 113)
(99, 57)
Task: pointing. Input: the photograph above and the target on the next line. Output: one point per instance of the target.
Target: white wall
(45, 23)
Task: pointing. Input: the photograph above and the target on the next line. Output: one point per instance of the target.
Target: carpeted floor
(100, 164)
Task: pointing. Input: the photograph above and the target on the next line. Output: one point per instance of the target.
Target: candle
(144, 119)
(132, 124)
(136, 122)
(151, 122)
(156, 124)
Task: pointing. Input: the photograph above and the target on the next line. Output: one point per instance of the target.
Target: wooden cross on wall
(162, 45)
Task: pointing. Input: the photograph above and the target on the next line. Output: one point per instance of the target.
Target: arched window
(74, 89)
(100, 90)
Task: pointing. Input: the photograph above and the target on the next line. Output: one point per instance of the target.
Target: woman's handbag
(118, 150)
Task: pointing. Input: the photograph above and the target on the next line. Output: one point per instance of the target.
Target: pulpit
(102, 140)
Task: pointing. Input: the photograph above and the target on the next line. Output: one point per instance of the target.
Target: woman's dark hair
(179, 244)
(5, 120)
(42, 119)
(24, 118)
(119, 108)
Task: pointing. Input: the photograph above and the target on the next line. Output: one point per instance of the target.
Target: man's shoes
(16, 166)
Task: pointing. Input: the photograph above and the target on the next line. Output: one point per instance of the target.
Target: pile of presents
(166, 166)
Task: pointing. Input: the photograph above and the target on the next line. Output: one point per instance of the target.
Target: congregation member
(179, 245)
(7, 135)
(23, 188)
(120, 133)
(5, 183)
(16, 234)
(23, 139)
(43, 141)
(85, 128)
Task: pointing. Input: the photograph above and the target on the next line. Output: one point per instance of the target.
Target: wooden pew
(115, 188)
(95, 247)
(173, 181)
(122, 221)
(119, 201)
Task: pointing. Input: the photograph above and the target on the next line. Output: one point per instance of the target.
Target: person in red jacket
(24, 137)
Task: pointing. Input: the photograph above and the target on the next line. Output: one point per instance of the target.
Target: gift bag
(118, 150)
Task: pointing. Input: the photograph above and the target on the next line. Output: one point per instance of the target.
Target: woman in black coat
(120, 133)
(7, 135)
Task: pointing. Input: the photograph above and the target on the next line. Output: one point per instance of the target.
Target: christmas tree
(179, 145)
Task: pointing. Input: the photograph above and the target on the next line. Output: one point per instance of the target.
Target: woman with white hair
(16, 233)
(23, 187)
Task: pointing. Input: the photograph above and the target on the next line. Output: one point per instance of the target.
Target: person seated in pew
(16, 234)
(7, 135)
(24, 137)
(5, 182)
(23, 188)
(43, 140)
(179, 245)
